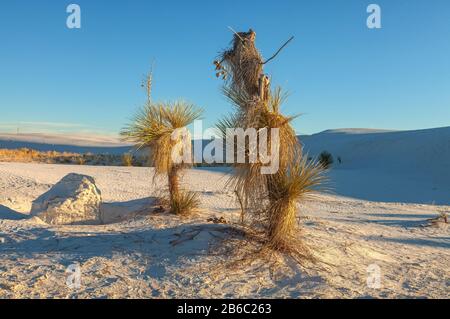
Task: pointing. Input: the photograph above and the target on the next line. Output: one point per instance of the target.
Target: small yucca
(153, 127)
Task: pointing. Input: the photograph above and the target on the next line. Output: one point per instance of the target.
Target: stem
(174, 182)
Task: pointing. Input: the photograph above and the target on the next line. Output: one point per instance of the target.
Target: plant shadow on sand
(438, 242)
(162, 247)
(83, 242)
(7, 213)
(116, 212)
(392, 220)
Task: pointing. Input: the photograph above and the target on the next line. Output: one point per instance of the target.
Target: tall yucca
(154, 127)
(272, 198)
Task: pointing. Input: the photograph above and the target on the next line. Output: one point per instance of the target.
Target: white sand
(135, 258)
(389, 166)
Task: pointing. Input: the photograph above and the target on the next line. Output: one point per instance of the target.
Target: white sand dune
(163, 256)
(392, 166)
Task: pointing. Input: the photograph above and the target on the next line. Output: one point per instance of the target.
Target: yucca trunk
(174, 182)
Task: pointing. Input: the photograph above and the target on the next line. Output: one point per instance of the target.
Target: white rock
(75, 199)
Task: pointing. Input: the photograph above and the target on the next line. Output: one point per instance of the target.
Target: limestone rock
(75, 199)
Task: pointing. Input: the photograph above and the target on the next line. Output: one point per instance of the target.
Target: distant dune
(406, 166)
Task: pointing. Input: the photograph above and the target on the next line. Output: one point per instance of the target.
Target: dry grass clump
(154, 127)
(25, 155)
(127, 159)
(184, 203)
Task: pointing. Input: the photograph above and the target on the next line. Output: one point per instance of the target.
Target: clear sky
(339, 73)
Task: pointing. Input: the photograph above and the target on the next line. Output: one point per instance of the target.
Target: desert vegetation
(160, 128)
(326, 159)
(127, 159)
(270, 199)
(27, 155)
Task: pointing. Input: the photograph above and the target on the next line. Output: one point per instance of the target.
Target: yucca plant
(154, 127)
(272, 198)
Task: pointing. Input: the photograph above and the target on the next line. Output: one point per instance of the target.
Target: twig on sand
(185, 237)
(241, 203)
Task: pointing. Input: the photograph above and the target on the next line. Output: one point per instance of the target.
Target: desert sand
(156, 255)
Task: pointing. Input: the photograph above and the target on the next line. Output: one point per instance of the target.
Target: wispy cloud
(41, 124)
(51, 127)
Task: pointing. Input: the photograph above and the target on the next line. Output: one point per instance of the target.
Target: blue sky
(339, 73)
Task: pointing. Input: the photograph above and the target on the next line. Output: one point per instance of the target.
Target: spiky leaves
(153, 127)
(248, 180)
(299, 181)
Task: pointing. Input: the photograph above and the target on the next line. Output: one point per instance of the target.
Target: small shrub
(326, 159)
(184, 203)
(444, 217)
(81, 160)
(127, 159)
(25, 155)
